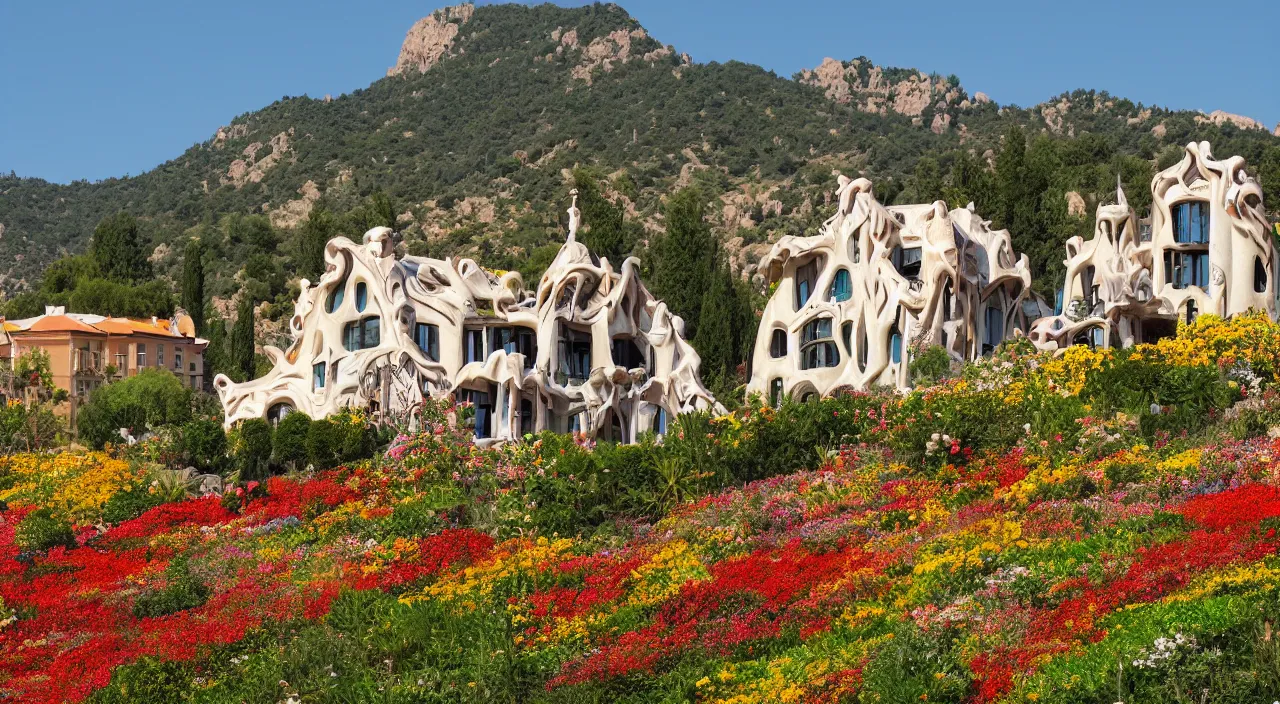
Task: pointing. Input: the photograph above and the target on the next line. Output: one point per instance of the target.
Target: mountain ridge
(486, 112)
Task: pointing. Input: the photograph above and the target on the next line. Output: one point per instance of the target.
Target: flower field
(1096, 527)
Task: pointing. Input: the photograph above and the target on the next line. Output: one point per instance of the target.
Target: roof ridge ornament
(1120, 199)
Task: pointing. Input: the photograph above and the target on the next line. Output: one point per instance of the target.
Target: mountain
(474, 133)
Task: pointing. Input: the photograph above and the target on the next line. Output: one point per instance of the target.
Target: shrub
(127, 505)
(182, 591)
(932, 364)
(27, 428)
(253, 449)
(154, 397)
(322, 449)
(291, 439)
(204, 445)
(42, 530)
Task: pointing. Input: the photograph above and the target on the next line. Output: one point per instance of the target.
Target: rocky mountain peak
(431, 39)
(880, 90)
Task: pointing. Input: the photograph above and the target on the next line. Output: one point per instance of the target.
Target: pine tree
(117, 249)
(684, 257)
(242, 341)
(193, 283)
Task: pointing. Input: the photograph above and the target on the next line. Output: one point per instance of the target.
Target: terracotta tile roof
(62, 323)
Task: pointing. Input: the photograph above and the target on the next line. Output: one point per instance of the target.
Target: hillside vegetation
(1096, 527)
(470, 146)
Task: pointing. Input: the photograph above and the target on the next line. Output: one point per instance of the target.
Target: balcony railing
(87, 362)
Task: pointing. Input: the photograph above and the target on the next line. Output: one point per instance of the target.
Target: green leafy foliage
(152, 398)
(42, 530)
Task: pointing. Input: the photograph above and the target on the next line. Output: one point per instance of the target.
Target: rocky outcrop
(295, 211)
(1220, 118)
(603, 52)
(431, 39)
(1075, 204)
(227, 134)
(873, 89)
(251, 169)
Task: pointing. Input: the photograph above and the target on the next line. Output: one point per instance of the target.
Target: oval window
(362, 296)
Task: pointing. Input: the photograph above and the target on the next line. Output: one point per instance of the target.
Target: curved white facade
(589, 351)
(851, 302)
(1209, 250)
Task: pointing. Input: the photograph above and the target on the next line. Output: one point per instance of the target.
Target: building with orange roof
(87, 351)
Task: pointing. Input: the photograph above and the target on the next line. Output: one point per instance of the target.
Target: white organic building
(589, 351)
(876, 282)
(1209, 250)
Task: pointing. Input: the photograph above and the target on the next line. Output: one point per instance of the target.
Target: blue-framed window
(841, 287)
(335, 297)
(427, 337)
(362, 296)
(317, 376)
(1191, 222)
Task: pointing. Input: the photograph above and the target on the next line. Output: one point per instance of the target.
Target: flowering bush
(1030, 530)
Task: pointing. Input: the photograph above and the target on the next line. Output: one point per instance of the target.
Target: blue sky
(90, 90)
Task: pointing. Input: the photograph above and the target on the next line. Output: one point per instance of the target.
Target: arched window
(947, 303)
(841, 287)
(1259, 276)
(895, 345)
(817, 349)
(317, 376)
(362, 296)
(778, 344)
(846, 336)
(775, 392)
(1192, 312)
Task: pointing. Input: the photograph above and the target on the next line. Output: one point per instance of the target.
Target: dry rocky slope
(477, 126)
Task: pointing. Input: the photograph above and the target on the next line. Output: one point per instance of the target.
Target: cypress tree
(215, 353)
(117, 249)
(684, 257)
(1010, 165)
(605, 230)
(314, 234)
(242, 348)
(193, 283)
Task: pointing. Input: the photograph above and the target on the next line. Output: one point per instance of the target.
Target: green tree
(1269, 176)
(726, 331)
(604, 229)
(1010, 165)
(253, 448)
(152, 398)
(291, 440)
(928, 180)
(316, 231)
(241, 363)
(116, 249)
(193, 283)
(684, 257)
(215, 353)
(971, 182)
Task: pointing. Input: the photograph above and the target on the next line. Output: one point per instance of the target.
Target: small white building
(589, 351)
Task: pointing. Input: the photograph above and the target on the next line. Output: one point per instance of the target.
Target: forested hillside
(469, 146)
